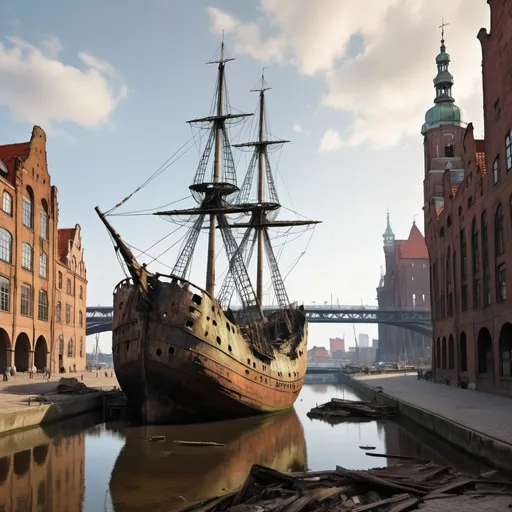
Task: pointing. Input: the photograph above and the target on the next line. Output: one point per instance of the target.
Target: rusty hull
(186, 362)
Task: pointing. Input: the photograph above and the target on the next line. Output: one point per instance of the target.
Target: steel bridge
(99, 318)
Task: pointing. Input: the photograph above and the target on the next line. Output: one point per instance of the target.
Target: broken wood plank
(452, 486)
(389, 501)
(398, 457)
(410, 504)
(198, 443)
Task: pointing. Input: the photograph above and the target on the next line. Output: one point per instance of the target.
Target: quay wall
(495, 452)
(36, 414)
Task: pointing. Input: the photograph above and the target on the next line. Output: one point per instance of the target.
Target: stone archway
(485, 363)
(41, 353)
(5, 345)
(22, 352)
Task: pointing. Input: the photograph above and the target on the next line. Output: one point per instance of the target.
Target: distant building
(337, 346)
(467, 191)
(405, 284)
(42, 272)
(364, 340)
(375, 343)
(318, 354)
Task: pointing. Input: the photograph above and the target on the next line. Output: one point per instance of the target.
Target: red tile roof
(414, 247)
(10, 152)
(65, 235)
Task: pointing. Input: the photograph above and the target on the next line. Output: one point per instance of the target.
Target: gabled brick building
(468, 212)
(405, 284)
(36, 262)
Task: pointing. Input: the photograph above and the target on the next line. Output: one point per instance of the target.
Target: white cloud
(387, 86)
(38, 88)
(298, 128)
(222, 20)
(331, 140)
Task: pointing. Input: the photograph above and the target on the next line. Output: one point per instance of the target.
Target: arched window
(60, 280)
(71, 348)
(443, 354)
(498, 232)
(81, 347)
(5, 245)
(43, 265)
(80, 318)
(58, 311)
(495, 170)
(475, 256)
(463, 353)
(43, 219)
(7, 202)
(68, 314)
(28, 209)
(42, 309)
(61, 344)
(485, 261)
(68, 286)
(5, 289)
(26, 256)
(81, 292)
(451, 353)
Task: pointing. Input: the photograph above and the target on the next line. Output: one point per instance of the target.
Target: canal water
(84, 465)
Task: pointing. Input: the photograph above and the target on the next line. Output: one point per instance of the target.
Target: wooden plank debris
(398, 488)
(338, 409)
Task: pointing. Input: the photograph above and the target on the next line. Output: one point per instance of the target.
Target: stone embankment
(26, 403)
(476, 422)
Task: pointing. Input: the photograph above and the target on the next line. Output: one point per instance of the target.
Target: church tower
(389, 246)
(443, 133)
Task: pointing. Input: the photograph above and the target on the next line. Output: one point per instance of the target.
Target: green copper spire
(388, 236)
(444, 112)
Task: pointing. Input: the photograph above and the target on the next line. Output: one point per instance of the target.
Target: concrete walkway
(487, 414)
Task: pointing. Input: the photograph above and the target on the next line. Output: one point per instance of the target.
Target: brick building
(318, 355)
(42, 272)
(468, 211)
(337, 347)
(405, 284)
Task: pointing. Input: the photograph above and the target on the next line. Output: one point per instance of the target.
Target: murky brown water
(82, 466)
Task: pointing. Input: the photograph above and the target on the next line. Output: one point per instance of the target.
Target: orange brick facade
(468, 219)
(33, 256)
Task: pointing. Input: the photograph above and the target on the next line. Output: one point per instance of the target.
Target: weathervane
(443, 24)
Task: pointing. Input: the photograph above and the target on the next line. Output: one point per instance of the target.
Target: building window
(498, 232)
(502, 283)
(5, 245)
(463, 353)
(476, 294)
(4, 293)
(43, 265)
(26, 256)
(475, 255)
(58, 312)
(508, 150)
(81, 292)
(495, 171)
(26, 300)
(7, 202)
(81, 347)
(68, 314)
(451, 353)
(44, 225)
(485, 261)
(42, 309)
(448, 151)
(27, 212)
(71, 348)
(60, 280)
(80, 318)
(413, 300)
(68, 286)
(463, 271)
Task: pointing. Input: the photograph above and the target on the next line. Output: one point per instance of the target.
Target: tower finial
(443, 24)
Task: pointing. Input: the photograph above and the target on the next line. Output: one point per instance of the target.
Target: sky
(113, 84)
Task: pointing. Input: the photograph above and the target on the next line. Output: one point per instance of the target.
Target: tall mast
(210, 269)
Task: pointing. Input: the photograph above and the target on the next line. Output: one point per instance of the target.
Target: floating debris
(367, 447)
(338, 409)
(397, 488)
(199, 443)
(157, 439)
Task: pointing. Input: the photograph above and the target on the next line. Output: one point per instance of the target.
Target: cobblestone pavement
(485, 413)
(14, 392)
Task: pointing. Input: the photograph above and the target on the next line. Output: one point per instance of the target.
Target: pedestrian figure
(6, 373)
(419, 374)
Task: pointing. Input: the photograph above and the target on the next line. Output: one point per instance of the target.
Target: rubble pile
(338, 409)
(398, 488)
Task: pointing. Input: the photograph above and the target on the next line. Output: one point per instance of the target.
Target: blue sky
(113, 83)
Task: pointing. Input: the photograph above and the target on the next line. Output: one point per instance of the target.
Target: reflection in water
(47, 475)
(159, 473)
(83, 466)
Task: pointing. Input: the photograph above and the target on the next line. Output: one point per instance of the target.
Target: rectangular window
(42, 311)
(27, 213)
(26, 256)
(495, 171)
(7, 203)
(68, 314)
(26, 300)
(476, 294)
(58, 310)
(68, 286)
(44, 225)
(487, 291)
(508, 150)
(4, 293)
(43, 265)
(502, 283)
(60, 280)
(81, 292)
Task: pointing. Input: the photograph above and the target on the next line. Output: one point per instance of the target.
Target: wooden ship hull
(184, 360)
